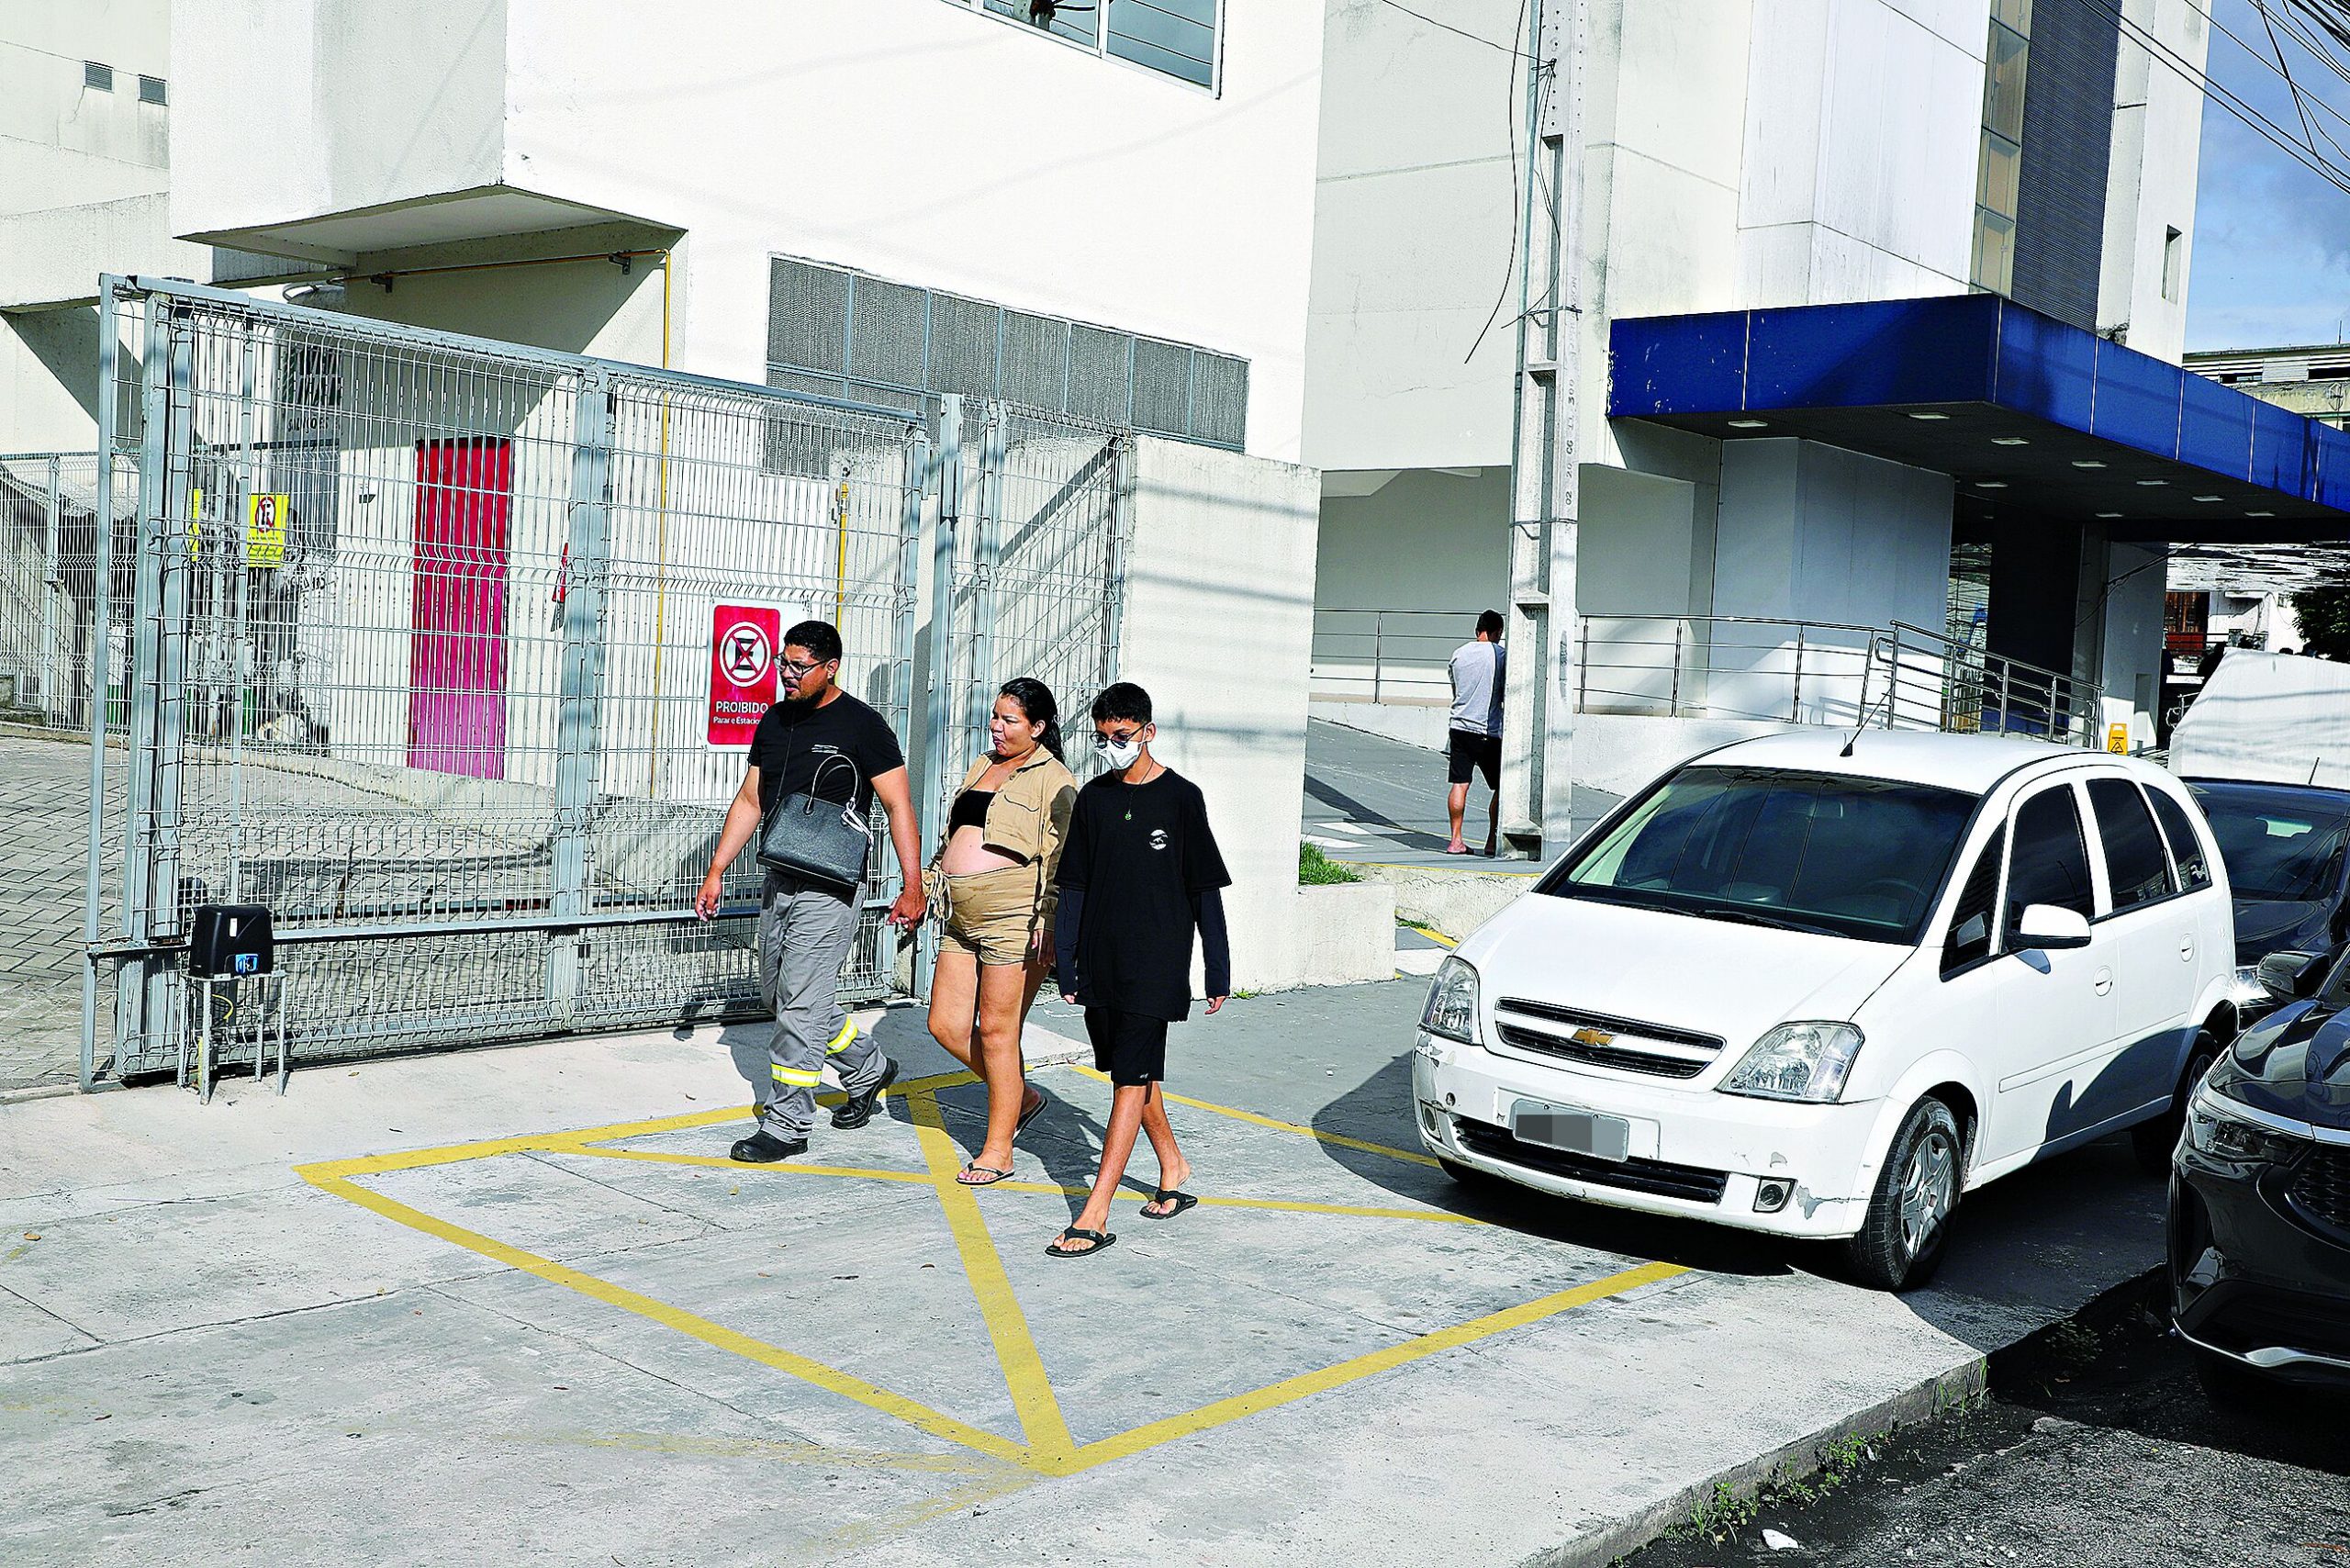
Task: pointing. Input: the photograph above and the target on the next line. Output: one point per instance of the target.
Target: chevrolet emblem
(1593, 1037)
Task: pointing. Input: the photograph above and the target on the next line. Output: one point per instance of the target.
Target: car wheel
(2227, 1383)
(2154, 1142)
(1909, 1216)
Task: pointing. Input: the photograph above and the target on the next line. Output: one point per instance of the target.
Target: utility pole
(1539, 700)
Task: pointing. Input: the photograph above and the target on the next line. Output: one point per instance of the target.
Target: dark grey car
(2283, 845)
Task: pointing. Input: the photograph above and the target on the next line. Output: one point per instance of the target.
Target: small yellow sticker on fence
(265, 531)
(2117, 739)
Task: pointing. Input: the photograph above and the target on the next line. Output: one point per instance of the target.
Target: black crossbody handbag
(819, 840)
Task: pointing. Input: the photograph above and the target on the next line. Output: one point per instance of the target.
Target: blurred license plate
(1575, 1132)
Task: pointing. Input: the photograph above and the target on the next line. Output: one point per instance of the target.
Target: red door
(456, 716)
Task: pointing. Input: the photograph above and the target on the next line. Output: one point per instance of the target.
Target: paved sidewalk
(516, 1305)
(44, 828)
(1375, 801)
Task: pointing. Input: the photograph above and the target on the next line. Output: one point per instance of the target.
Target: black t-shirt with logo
(795, 740)
(1139, 851)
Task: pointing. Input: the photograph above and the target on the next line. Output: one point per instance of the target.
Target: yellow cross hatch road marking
(1045, 1446)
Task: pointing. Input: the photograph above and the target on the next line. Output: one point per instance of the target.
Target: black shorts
(1474, 752)
(1130, 1047)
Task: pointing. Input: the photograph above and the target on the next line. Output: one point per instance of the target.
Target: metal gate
(417, 647)
(49, 549)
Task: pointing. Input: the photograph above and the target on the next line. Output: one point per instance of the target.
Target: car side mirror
(2050, 927)
(2291, 976)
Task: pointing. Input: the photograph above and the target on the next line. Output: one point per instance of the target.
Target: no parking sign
(743, 681)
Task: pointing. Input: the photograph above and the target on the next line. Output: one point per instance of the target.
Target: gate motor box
(230, 941)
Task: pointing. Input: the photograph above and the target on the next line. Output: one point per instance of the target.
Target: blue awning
(2020, 409)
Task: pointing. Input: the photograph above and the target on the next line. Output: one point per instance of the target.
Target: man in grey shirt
(1475, 742)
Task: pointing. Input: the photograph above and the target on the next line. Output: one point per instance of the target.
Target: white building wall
(915, 139)
(63, 143)
(1838, 541)
(1219, 597)
(2131, 656)
(1862, 127)
(2158, 150)
(1416, 205)
(294, 109)
(82, 172)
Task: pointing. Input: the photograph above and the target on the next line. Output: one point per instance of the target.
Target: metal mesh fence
(49, 535)
(1037, 570)
(415, 634)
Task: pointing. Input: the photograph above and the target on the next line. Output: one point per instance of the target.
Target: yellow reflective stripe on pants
(845, 1038)
(803, 1078)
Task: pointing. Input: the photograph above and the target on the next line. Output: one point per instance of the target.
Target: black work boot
(762, 1147)
(857, 1108)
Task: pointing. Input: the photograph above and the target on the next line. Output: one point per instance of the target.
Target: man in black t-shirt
(818, 741)
(1140, 873)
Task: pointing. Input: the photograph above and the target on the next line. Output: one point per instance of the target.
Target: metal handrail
(1396, 663)
(1822, 672)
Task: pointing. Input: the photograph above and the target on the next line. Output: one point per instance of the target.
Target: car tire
(1464, 1174)
(2154, 1142)
(2227, 1383)
(1901, 1240)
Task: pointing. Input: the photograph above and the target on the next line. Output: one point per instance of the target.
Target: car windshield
(1815, 852)
(2280, 845)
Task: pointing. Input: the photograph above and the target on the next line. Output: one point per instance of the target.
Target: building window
(96, 76)
(2006, 54)
(840, 334)
(2172, 248)
(1076, 23)
(1183, 39)
(1177, 37)
(152, 90)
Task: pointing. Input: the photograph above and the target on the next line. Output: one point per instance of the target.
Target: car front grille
(1659, 1177)
(2255, 1318)
(2321, 1190)
(1658, 1050)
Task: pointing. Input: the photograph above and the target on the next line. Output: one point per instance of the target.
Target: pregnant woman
(995, 879)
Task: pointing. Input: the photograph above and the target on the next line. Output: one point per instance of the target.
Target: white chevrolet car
(1821, 991)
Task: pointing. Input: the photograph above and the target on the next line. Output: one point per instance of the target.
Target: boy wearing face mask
(1139, 874)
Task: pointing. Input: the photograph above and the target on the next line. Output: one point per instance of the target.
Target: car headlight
(1452, 1011)
(1796, 1061)
(2221, 1129)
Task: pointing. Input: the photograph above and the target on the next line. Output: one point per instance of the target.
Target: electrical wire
(1462, 32)
(1509, 268)
(2259, 123)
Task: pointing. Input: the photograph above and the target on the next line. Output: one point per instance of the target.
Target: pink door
(456, 716)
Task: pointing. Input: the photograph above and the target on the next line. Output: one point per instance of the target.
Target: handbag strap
(855, 774)
(856, 780)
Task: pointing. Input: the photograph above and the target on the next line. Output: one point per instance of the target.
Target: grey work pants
(804, 935)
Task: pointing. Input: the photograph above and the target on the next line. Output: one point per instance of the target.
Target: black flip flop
(1021, 1126)
(1170, 1195)
(1102, 1241)
(989, 1172)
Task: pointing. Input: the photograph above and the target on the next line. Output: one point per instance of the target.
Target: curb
(1947, 1391)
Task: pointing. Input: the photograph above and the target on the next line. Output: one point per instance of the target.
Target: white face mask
(1122, 754)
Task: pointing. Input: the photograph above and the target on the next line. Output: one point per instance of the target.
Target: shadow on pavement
(1379, 1110)
(2052, 1234)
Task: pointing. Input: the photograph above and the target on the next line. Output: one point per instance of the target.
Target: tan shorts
(992, 915)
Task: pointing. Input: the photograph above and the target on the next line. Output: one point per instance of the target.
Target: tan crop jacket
(1029, 817)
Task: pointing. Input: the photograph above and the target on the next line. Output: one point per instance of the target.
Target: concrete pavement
(44, 825)
(465, 1308)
